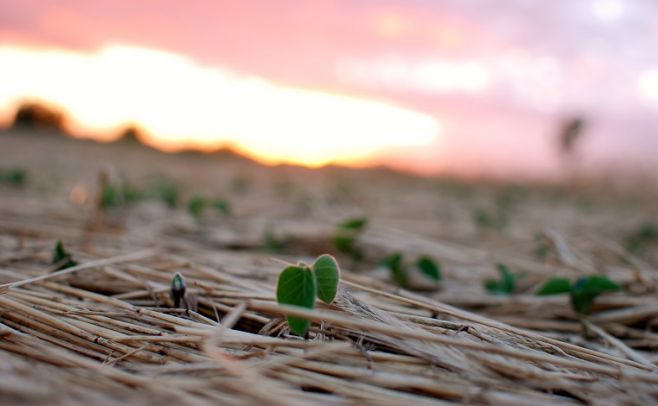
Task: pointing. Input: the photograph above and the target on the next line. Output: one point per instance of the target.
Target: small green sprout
(222, 207)
(395, 266)
(637, 242)
(400, 274)
(483, 219)
(198, 204)
(61, 258)
(542, 247)
(168, 192)
(495, 220)
(427, 266)
(132, 194)
(505, 286)
(110, 197)
(177, 291)
(300, 285)
(273, 243)
(582, 293)
(16, 177)
(346, 235)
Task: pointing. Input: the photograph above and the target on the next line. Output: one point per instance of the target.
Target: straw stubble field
(106, 331)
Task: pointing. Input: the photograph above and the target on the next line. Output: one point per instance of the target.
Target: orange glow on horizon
(180, 104)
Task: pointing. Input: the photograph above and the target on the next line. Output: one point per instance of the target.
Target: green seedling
(14, 177)
(300, 285)
(542, 247)
(132, 194)
(505, 286)
(582, 293)
(61, 258)
(395, 266)
(428, 267)
(273, 243)
(346, 235)
(638, 241)
(495, 220)
(483, 219)
(198, 204)
(400, 272)
(111, 197)
(222, 207)
(498, 217)
(177, 290)
(168, 192)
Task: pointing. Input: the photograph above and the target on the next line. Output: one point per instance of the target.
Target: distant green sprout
(483, 219)
(505, 286)
(637, 242)
(428, 267)
(132, 194)
(495, 220)
(222, 206)
(542, 247)
(346, 235)
(198, 204)
(582, 293)
(498, 217)
(15, 177)
(111, 196)
(400, 272)
(177, 290)
(395, 266)
(300, 285)
(61, 258)
(273, 243)
(168, 192)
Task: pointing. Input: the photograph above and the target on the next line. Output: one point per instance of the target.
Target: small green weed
(582, 293)
(61, 258)
(505, 286)
(400, 271)
(15, 177)
(300, 285)
(346, 235)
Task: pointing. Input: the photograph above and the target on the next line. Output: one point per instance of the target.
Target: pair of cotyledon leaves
(582, 293)
(300, 285)
(399, 270)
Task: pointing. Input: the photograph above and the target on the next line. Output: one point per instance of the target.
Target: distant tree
(570, 133)
(35, 116)
(131, 135)
(569, 137)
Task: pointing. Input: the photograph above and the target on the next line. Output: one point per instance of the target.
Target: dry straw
(104, 331)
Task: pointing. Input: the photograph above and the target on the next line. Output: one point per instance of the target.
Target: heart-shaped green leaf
(297, 286)
(555, 286)
(596, 284)
(327, 276)
(586, 289)
(428, 267)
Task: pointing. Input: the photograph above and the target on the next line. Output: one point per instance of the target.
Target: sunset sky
(427, 85)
